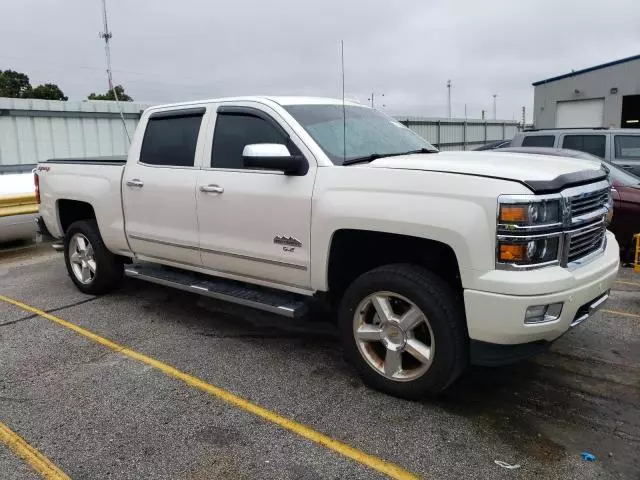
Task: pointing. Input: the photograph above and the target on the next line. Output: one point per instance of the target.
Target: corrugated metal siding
(460, 134)
(35, 130)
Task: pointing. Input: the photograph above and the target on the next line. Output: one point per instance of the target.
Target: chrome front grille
(584, 241)
(589, 203)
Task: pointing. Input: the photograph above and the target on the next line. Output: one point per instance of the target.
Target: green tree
(14, 84)
(48, 91)
(119, 90)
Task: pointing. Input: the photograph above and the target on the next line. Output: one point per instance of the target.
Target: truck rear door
(254, 223)
(159, 189)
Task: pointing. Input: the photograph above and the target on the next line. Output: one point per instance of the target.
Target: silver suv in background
(619, 146)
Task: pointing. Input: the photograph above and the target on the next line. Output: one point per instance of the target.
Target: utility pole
(494, 107)
(106, 35)
(465, 111)
(484, 112)
(449, 98)
(523, 117)
(372, 98)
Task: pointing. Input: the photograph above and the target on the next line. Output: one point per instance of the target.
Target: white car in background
(18, 204)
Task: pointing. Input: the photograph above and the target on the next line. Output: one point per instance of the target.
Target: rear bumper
(498, 319)
(42, 229)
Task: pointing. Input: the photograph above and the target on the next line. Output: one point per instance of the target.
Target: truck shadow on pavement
(549, 407)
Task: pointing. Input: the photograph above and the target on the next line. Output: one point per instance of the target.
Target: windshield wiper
(375, 156)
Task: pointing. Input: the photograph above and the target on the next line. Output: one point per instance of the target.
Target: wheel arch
(352, 252)
(70, 211)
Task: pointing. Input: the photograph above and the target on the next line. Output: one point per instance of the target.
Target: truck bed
(112, 160)
(65, 183)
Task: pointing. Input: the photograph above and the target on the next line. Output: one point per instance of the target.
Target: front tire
(403, 329)
(91, 266)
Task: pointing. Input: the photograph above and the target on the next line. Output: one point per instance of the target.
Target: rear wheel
(91, 266)
(403, 329)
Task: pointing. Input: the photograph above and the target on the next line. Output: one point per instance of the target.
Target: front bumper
(492, 354)
(495, 318)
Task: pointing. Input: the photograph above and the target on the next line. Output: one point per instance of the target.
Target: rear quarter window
(171, 141)
(538, 141)
(627, 146)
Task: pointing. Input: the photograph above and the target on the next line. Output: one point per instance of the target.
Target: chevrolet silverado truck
(431, 260)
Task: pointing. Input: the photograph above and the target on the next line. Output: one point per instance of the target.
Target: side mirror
(274, 156)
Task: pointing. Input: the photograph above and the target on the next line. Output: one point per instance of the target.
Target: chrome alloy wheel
(394, 336)
(81, 257)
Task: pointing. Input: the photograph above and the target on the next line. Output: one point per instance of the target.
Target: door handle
(135, 183)
(211, 189)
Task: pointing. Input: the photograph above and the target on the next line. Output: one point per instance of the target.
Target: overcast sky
(173, 50)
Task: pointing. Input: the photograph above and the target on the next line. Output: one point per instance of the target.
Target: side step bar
(266, 299)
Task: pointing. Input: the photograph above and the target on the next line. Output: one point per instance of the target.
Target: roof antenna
(107, 50)
(344, 111)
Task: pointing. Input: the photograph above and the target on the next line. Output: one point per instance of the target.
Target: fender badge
(287, 240)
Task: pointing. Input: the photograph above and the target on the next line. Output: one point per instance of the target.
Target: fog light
(543, 313)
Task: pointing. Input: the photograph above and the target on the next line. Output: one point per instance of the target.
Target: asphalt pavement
(97, 412)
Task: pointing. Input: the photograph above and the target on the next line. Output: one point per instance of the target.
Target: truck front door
(159, 189)
(254, 224)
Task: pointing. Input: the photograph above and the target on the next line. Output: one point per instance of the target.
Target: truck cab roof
(280, 100)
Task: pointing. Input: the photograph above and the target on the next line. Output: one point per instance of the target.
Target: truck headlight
(609, 216)
(529, 231)
(528, 215)
(529, 251)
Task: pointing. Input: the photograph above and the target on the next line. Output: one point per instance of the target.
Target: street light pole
(449, 98)
(494, 107)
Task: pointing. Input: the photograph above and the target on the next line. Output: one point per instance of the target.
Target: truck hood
(541, 173)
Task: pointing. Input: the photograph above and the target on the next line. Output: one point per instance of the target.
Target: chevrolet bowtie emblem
(287, 240)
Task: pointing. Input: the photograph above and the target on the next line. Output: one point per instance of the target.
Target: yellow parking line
(33, 457)
(624, 314)
(371, 461)
(636, 284)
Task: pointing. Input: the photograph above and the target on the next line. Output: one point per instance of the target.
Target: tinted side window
(627, 146)
(235, 131)
(593, 144)
(171, 141)
(538, 141)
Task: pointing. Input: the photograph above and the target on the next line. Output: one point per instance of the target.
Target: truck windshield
(369, 133)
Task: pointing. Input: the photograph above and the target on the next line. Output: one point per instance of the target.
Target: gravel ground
(98, 414)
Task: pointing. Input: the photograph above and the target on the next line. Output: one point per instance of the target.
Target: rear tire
(403, 329)
(91, 266)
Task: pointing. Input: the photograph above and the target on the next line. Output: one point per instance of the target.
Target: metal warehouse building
(606, 95)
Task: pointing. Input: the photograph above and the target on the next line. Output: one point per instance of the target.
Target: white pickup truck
(431, 260)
